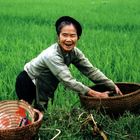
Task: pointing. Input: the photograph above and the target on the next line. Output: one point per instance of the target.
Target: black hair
(62, 24)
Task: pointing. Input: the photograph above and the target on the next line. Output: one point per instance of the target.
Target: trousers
(40, 92)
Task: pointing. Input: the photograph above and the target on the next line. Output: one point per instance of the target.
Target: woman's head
(66, 20)
(69, 31)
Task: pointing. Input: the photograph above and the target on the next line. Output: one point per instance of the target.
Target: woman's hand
(97, 94)
(105, 94)
(117, 90)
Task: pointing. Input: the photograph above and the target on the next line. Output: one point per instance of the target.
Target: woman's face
(68, 38)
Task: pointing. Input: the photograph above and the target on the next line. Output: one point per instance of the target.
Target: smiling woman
(41, 75)
(68, 38)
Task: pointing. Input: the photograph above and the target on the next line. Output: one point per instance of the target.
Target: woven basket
(115, 104)
(11, 114)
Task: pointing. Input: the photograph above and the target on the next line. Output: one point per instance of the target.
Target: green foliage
(110, 39)
(125, 127)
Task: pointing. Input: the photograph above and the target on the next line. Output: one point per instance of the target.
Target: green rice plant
(110, 40)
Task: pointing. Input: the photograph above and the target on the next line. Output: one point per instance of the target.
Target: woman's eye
(73, 35)
(65, 35)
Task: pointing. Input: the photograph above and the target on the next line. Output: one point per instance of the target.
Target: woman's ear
(78, 37)
(57, 38)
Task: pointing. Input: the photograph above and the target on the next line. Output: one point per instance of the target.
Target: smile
(68, 44)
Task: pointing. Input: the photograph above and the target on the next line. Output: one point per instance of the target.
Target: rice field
(110, 39)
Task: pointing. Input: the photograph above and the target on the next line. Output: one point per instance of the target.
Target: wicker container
(11, 115)
(115, 104)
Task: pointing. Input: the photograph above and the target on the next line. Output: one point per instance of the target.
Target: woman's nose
(68, 38)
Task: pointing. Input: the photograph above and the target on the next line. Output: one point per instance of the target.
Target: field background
(110, 39)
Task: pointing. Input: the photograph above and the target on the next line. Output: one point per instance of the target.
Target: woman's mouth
(68, 45)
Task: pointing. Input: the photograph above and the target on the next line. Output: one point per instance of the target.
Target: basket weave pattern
(115, 104)
(11, 114)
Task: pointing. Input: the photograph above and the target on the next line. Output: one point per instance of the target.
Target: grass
(111, 32)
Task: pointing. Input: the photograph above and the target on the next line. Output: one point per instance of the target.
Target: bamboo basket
(11, 114)
(115, 104)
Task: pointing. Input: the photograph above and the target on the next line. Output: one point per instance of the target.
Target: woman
(42, 74)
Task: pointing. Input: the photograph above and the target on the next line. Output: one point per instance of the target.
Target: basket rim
(16, 101)
(114, 97)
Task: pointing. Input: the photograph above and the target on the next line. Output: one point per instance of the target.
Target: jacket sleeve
(93, 73)
(63, 74)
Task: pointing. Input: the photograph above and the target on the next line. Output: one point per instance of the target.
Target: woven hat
(69, 19)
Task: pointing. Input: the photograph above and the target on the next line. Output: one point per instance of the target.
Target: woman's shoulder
(51, 52)
(51, 49)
